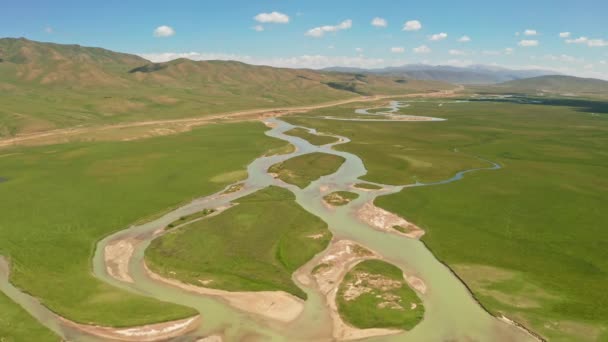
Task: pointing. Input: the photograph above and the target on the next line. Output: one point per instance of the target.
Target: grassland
(17, 325)
(311, 138)
(367, 186)
(254, 246)
(340, 198)
(528, 238)
(374, 294)
(188, 218)
(304, 169)
(64, 198)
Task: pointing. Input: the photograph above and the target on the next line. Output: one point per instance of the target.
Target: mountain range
(474, 74)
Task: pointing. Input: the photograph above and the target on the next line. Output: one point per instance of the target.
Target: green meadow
(59, 200)
(305, 169)
(528, 239)
(17, 325)
(340, 198)
(253, 246)
(383, 300)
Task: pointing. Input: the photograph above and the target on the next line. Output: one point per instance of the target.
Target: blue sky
(311, 33)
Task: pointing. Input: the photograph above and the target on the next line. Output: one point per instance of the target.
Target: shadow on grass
(580, 105)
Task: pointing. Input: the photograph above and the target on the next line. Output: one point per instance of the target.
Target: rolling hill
(563, 85)
(474, 74)
(46, 86)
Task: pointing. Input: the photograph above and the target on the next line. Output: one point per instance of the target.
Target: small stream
(451, 312)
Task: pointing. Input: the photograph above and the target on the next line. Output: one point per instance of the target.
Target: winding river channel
(451, 311)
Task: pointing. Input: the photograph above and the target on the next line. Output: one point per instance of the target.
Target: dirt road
(179, 125)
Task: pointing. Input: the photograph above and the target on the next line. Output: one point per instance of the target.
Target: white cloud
(438, 36)
(603, 62)
(359, 49)
(258, 28)
(164, 31)
(331, 47)
(597, 43)
(528, 43)
(563, 58)
(412, 25)
(490, 52)
(321, 30)
(588, 67)
(464, 39)
(457, 52)
(379, 22)
(530, 32)
(49, 30)
(272, 17)
(397, 49)
(422, 49)
(509, 51)
(588, 42)
(579, 40)
(564, 34)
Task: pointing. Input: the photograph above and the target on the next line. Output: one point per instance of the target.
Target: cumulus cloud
(464, 39)
(422, 49)
(530, 32)
(359, 49)
(588, 42)
(258, 28)
(320, 31)
(412, 25)
(272, 17)
(509, 51)
(563, 58)
(438, 36)
(379, 22)
(456, 52)
(564, 34)
(579, 40)
(528, 43)
(397, 49)
(597, 43)
(164, 31)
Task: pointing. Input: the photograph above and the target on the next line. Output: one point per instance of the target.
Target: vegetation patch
(188, 218)
(367, 186)
(340, 198)
(16, 324)
(304, 169)
(254, 246)
(314, 139)
(374, 294)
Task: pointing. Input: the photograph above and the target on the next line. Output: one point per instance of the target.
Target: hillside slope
(45, 86)
(557, 84)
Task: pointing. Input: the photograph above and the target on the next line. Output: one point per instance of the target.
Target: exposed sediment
(276, 305)
(388, 222)
(145, 333)
(327, 272)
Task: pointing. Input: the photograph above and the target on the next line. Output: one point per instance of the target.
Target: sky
(566, 36)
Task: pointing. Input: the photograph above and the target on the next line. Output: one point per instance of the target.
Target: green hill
(45, 86)
(556, 84)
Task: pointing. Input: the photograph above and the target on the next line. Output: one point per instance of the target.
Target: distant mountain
(564, 85)
(46, 85)
(474, 74)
